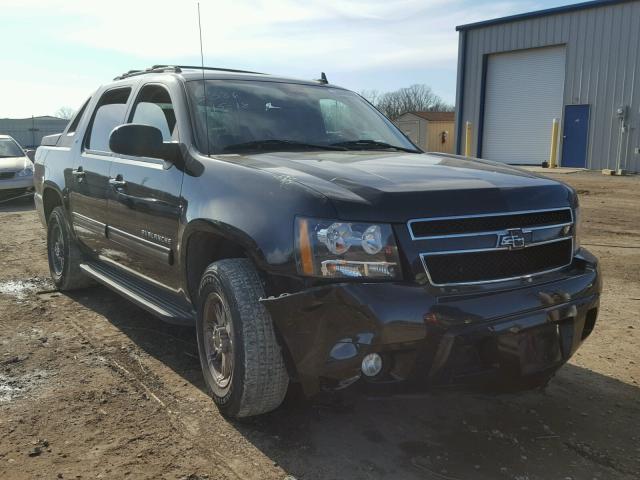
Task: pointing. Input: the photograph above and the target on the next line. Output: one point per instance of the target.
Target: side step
(165, 306)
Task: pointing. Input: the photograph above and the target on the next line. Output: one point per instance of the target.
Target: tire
(64, 254)
(240, 356)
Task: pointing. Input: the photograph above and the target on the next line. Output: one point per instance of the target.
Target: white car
(16, 169)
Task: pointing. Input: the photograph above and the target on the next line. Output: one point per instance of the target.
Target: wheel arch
(204, 242)
(198, 250)
(51, 198)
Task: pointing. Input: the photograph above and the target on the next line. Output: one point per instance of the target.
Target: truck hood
(13, 164)
(396, 187)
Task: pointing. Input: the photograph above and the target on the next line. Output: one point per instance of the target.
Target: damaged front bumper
(497, 339)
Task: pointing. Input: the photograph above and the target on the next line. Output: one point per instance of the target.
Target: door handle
(117, 182)
(78, 173)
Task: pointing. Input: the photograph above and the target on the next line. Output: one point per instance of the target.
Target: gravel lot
(93, 387)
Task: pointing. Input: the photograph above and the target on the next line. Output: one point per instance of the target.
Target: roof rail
(192, 67)
(177, 69)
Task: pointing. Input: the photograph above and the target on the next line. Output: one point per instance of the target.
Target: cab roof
(189, 72)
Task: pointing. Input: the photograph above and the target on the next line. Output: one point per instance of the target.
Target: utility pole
(33, 131)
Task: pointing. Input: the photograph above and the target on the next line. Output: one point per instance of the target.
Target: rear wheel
(64, 254)
(240, 356)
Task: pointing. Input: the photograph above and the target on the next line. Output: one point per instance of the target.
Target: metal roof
(541, 13)
(435, 116)
(40, 117)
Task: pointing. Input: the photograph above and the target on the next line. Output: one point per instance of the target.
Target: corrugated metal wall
(20, 129)
(602, 70)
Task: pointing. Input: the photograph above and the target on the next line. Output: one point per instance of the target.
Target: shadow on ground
(583, 426)
(13, 204)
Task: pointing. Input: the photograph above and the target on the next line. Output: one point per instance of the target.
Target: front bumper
(497, 339)
(16, 183)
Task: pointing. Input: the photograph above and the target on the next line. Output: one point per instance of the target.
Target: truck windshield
(248, 116)
(9, 148)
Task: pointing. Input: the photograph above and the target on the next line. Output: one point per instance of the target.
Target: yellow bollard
(553, 155)
(467, 141)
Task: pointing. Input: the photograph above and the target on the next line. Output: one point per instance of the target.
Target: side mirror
(142, 141)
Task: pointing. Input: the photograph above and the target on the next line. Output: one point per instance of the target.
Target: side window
(153, 107)
(109, 113)
(76, 119)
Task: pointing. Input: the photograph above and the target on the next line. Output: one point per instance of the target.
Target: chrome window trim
(496, 280)
(481, 215)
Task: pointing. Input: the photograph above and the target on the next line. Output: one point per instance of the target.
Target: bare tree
(371, 95)
(64, 112)
(416, 98)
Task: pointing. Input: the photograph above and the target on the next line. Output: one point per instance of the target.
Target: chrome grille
(475, 249)
(445, 226)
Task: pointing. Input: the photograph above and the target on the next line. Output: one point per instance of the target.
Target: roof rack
(177, 69)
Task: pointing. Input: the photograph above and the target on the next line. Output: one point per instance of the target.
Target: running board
(151, 298)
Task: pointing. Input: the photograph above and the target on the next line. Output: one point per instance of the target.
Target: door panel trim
(140, 245)
(93, 226)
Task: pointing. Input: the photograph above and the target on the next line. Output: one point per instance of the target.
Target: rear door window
(67, 139)
(109, 113)
(76, 119)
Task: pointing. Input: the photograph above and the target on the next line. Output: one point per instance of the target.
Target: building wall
(413, 127)
(602, 70)
(20, 129)
(426, 134)
(434, 138)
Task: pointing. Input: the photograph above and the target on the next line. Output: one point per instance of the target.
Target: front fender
(253, 208)
(223, 231)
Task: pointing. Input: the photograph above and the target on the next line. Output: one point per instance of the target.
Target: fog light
(371, 364)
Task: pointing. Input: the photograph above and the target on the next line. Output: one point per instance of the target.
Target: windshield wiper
(273, 144)
(372, 145)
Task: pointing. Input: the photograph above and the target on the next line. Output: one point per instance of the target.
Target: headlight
(26, 172)
(336, 249)
(577, 229)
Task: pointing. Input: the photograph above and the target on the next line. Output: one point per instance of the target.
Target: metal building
(578, 63)
(28, 132)
(431, 131)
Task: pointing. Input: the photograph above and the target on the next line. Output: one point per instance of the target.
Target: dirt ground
(93, 387)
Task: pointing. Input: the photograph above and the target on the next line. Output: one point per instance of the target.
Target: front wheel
(64, 254)
(240, 356)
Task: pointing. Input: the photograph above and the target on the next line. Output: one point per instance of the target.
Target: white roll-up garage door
(524, 93)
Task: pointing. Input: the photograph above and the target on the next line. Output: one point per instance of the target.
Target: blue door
(575, 136)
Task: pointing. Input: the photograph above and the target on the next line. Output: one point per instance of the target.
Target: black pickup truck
(309, 241)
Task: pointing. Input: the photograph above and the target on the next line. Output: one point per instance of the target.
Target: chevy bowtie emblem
(513, 239)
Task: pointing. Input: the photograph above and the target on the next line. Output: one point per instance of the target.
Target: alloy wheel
(218, 339)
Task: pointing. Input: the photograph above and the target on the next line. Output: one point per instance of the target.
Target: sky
(56, 53)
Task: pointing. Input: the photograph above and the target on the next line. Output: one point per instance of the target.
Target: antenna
(204, 85)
